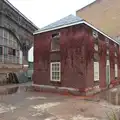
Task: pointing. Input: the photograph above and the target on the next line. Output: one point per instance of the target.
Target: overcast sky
(44, 12)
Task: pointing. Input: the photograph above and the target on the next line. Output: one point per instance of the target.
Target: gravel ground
(23, 104)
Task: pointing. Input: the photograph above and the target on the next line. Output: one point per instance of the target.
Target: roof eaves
(42, 31)
(101, 32)
(20, 13)
(81, 22)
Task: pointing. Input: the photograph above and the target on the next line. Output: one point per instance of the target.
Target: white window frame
(96, 71)
(116, 70)
(51, 64)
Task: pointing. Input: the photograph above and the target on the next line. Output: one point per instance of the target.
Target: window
(1, 50)
(107, 41)
(116, 70)
(11, 51)
(5, 51)
(95, 34)
(96, 71)
(107, 52)
(55, 43)
(96, 47)
(6, 34)
(14, 52)
(115, 54)
(55, 71)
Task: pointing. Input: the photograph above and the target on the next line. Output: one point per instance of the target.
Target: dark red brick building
(71, 54)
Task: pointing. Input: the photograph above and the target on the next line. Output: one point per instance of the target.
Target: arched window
(9, 47)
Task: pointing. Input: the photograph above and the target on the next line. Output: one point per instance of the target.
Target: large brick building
(71, 54)
(103, 14)
(16, 35)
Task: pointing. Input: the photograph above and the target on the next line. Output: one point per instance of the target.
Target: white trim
(81, 22)
(108, 65)
(52, 71)
(116, 70)
(37, 32)
(100, 32)
(20, 13)
(96, 71)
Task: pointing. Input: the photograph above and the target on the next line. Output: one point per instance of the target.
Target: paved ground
(25, 104)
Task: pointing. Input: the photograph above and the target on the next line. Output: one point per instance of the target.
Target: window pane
(5, 51)
(0, 50)
(96, 71)
(6, 34)
(55, 71)
(1, 32)
(55, 45)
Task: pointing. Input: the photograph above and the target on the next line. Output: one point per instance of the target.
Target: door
(108, 72)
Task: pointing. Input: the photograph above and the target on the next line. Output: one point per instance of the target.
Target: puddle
(111, 96)
(15, 89)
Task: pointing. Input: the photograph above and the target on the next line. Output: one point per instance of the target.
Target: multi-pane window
(9, 47)
(55, 71)
(116, 70)
(96, 71)
(55, 43)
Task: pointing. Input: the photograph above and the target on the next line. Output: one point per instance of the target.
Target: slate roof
(70, 19)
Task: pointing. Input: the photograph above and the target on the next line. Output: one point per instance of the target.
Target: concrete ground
(22, 103)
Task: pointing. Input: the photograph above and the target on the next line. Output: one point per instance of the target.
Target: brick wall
(77, 70)
(70, 76)
(103, 14)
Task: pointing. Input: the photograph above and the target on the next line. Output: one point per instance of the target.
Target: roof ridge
(70, 19)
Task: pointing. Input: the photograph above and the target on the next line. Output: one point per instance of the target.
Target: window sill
(55, 51)
(55, 80)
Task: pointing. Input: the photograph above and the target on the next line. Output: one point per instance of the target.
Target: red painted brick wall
(76, 67)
